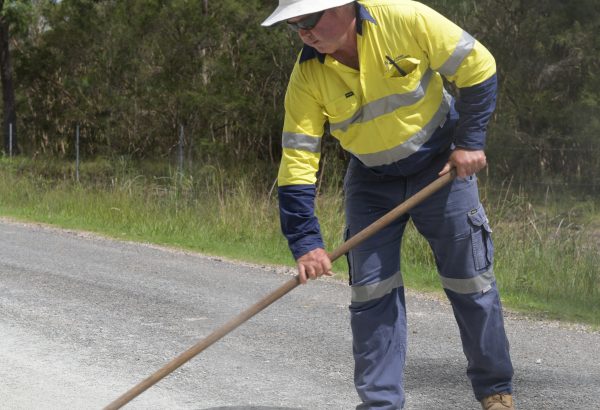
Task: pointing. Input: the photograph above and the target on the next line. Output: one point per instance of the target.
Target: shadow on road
(253, 408)
(424, 371)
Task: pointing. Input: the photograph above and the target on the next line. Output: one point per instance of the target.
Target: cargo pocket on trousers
(481, 239)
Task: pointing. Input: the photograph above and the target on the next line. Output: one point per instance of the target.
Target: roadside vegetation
(547, 259)
(127, 86)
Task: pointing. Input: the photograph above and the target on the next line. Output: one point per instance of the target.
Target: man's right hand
(313, 264)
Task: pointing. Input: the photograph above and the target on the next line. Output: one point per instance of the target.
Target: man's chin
(323, 49)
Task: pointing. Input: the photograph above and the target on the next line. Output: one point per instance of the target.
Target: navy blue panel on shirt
(298, 221)
(362, 14)
(475, 106)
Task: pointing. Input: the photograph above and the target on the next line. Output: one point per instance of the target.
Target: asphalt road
(83, 319)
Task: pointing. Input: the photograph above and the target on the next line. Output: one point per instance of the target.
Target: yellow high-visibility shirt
(386, 111)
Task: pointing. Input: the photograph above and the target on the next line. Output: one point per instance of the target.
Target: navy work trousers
(454, 223)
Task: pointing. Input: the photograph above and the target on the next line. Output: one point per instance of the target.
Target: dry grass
(547, 253)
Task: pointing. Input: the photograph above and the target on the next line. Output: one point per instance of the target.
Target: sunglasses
(307, 23)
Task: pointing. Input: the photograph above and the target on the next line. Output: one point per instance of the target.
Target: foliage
(132, 72)
(548, 58)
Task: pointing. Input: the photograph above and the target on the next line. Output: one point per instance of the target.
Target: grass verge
(547, 262)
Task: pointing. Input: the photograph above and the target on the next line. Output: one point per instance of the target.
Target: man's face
(330, 32)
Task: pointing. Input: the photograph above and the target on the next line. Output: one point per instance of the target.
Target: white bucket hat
(293, 8)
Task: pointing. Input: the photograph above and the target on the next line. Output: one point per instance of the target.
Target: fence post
(190, 147)
(180, 150)
(77, 153)
(10, 139)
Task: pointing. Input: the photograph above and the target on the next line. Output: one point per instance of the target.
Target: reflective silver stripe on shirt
(385, 105)
(413, 144)
(301, 142)
(479, 283)
(373, 291)
(462, 50)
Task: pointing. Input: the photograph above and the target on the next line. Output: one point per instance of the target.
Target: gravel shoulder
(83, 318)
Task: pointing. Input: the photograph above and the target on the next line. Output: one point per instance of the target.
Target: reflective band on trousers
(385, 105)
(301, 142)
(469, 285)
(462, 50)
(413, 144)
(373, 291)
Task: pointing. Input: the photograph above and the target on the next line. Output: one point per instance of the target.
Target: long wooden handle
(394, 214)
(278, 293)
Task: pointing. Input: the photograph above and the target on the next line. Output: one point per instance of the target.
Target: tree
(8, 87)
(14, 19)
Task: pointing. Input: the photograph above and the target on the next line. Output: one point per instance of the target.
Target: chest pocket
(342, 108)
(403, 74)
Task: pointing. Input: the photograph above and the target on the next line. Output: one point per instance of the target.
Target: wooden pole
(77, 153)
(279, 292)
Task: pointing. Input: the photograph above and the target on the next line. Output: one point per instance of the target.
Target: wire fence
(529, 174)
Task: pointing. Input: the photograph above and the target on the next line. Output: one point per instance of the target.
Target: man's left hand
(465, 161)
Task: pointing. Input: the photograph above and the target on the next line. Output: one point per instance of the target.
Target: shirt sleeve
(303, 129)
(464, 61)
(298, 222)
(475, 106)
(452, 51)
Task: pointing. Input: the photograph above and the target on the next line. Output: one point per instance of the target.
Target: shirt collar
(362, 14)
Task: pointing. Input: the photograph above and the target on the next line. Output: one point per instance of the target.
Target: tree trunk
(8, 90)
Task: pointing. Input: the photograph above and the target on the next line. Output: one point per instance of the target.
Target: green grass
(547, 259)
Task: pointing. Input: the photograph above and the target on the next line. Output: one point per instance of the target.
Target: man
(372, 72)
